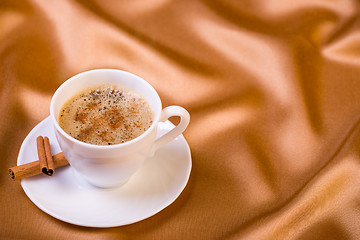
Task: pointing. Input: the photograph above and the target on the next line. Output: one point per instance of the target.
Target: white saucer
(67, 197)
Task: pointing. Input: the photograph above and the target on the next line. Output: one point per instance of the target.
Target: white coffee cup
(111, 166)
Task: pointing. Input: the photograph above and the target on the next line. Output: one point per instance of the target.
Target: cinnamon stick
(33, 168)
(49, 160)
(41, 154)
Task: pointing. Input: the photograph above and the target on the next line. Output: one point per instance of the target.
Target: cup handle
(179, 129)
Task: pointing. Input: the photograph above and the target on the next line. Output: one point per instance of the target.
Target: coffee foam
(106, 115)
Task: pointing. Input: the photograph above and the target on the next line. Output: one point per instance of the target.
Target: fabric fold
(273, 92)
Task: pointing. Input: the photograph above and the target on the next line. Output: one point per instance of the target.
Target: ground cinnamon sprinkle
(106, 115)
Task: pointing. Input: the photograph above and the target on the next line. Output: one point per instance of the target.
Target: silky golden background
(273, 92)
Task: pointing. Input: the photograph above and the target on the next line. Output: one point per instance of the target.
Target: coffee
(105, 115)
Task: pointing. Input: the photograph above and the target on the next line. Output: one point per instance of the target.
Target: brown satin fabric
(273, 92)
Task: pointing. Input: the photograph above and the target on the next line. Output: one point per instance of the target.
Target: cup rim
(103, 147)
